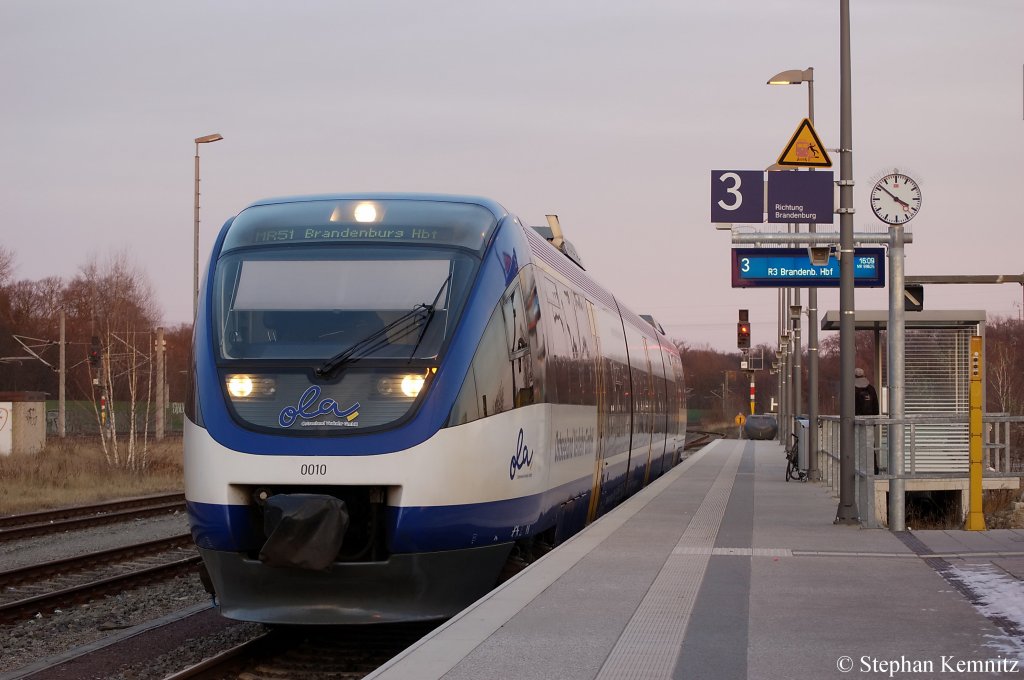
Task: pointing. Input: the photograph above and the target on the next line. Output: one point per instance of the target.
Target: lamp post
(847, 512)
(785, 400)
(195, 249)
(796, 77)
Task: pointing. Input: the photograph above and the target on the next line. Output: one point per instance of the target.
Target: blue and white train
(395, 394)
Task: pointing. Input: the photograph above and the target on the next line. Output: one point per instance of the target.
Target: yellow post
(975, 516)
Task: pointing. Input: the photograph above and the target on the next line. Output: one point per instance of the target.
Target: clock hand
(906, 206)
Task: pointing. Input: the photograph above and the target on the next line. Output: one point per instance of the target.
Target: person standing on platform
(865, 401)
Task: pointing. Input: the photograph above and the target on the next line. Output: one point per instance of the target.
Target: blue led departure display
(791, 267)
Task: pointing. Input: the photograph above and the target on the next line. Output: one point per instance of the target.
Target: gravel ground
(20, 553)
(57, 632)
(195, 651)
(52, 633)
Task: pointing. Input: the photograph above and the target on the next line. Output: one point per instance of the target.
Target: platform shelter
(936, 408)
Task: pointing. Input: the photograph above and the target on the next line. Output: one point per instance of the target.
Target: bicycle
(793, 470)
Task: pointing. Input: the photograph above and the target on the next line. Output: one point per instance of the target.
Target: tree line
(718, 389)
(110, 321)
(109, 304)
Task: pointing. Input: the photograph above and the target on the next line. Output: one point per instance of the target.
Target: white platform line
(650, 643)
(744, 552)
(442, 650)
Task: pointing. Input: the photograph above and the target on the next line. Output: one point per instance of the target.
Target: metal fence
(927, 455)
(80, 418)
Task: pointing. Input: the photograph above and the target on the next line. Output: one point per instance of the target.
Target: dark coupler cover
(303, 530)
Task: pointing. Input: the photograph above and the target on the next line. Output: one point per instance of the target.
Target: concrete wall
(22, 422)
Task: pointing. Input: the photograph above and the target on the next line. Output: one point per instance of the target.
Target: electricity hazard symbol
(804, 149)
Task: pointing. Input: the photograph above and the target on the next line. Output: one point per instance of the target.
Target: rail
(41, 587)
(82, 516)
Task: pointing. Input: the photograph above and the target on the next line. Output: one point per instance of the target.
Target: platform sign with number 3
(737, 196)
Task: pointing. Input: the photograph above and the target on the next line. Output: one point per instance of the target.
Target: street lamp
(195, 250)
(796, 77)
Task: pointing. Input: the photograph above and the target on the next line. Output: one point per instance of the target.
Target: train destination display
(792, 267)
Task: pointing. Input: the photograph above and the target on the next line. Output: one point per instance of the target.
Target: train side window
(489, 381)
(519, 354)
(467, 404)
(535, 333)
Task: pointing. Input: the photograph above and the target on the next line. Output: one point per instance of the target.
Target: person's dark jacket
(865, 401)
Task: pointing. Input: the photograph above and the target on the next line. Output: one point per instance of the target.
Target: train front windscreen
(324, 327)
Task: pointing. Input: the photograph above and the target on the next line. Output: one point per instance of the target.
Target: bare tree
(6, 265)
(120, 302)
(1005, 347)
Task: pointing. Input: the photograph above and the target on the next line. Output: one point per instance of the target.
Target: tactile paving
(650, 643)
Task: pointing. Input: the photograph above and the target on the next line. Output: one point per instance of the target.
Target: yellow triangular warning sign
(805, 150)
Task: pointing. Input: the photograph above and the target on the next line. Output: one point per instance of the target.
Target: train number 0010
(311, 469)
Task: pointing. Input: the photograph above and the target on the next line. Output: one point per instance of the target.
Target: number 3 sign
(737, 196)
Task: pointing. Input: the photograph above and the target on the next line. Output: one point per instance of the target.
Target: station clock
(895, 198)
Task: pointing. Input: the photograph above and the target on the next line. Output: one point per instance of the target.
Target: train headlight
(412, 384)
(241, 386)
(399, 386)
(365, 212)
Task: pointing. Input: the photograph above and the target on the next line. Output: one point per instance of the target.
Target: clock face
(895, 199)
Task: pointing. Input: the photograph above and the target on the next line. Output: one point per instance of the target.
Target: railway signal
(94, 351)
(743, 330)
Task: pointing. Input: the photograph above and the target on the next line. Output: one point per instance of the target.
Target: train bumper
(405, 587)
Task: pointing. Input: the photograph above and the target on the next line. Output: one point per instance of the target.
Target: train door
(600, 432)
(659, 415)
(614, 410)
(681, 414)
(672, 444)
(643, 419)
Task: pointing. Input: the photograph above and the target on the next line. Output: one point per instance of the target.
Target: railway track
(296, 652)
(46, 586)
(696, 439)
(301, 653)
(82, 516)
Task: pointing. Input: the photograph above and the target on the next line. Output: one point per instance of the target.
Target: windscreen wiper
(430, 316)
(376, 340)
(420, 314)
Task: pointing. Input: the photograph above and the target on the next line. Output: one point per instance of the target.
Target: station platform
(721, 569)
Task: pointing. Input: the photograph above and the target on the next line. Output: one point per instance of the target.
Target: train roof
(496, 208)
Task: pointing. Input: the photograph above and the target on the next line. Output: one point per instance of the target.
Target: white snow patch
(1000, 596)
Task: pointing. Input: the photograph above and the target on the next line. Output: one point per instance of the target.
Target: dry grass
(943, 513)
(73, 472)
(998, 507)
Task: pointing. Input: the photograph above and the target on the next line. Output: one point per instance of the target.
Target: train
(395, 397)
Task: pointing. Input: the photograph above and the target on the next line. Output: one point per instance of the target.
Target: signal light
(743, 335)
(94, 351)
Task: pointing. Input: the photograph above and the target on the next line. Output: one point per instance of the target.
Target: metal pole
(896, 344)
(778, 360)
(205, 139)
(812, 338)
(798, 360)
(792, 378)
(847, 512)
(787, 383)
(785, 371)
(161, 405)
(61, 407)
(195, 244)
